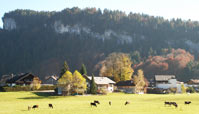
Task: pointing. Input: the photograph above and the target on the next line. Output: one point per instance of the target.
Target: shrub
(16, 88)
(190, 90)
(47, 87)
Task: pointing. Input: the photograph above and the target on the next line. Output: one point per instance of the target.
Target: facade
(101, 82)
(167, 81)
(22, 79)
(126, 86)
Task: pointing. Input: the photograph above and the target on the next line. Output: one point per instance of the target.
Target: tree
(93, 86)
(139, 81)
(65, 68)
(65, 82)
(117, 66)
(83, 70)
(79, 83)
(36, 84)
(183, 89)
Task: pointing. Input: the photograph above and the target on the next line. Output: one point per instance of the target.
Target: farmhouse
(4, 78)
(101, 82)
(50, 80)
(193, 83)
(167, 81)
(22, 79)
(126, 86)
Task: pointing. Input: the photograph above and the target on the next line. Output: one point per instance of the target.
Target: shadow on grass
(41, 95)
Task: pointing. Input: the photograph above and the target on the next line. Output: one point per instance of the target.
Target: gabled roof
(125, 83)
(53, 77)
(194, 81)
(18, 77)
(164, 77)
(101, 80)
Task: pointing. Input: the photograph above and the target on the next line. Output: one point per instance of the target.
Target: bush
(190, 90)
(16, 88)
(47, 87)
(102, 91)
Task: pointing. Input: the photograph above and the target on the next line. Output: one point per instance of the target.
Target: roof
(101, 80)
(125, 83)
(18, 77)
(164, 77)
(53, 77)
(195, 81)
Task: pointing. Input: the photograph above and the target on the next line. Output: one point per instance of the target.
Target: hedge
(25, 88)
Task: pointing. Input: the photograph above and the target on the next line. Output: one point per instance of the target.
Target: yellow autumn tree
(117, 66)
(139, 81)
(65, 82)
(79, 83)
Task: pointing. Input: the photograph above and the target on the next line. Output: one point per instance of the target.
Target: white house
(101, 82)
(167, 81)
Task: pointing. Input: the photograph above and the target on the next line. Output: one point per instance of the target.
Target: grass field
(18, 102)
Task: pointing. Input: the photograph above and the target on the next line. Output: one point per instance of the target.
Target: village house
(101, 82)
(193, 83)
(22, 79)
(50, 80)
(126, 86)
(167, 82)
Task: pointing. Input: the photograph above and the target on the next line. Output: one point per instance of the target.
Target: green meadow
(18, 102)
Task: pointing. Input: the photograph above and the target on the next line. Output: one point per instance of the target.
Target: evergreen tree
(83, 70)
(65, 68)
(93, 86)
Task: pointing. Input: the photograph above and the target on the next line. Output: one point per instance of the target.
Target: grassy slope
(17, 103)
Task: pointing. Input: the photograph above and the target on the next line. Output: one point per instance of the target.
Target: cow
(187, 102)
(50, 105)
(167, 103)
(176, 105)
(35, 106)
(93, 104)
(127, 102)
(29, 107)
(109, 102)
(97, 102)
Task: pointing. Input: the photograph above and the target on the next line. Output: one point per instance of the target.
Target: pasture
(18, 102)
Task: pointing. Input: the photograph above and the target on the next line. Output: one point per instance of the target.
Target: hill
(39, 42)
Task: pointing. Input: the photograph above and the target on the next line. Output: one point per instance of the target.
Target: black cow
(50, 105)
(167, 103)
(35, 106)
(97, 102)
(93, 104)
(176, 105)
(187, 102)
(127, 102)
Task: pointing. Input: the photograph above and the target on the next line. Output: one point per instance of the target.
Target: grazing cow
(97, 102)
(127, 102)
(109, 102)
(50, 105)
(187, 102)
(93, 104)
(167, 103)
(176, 105)
(35, 106)
(29, 107)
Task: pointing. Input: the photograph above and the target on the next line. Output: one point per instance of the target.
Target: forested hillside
(40, 42)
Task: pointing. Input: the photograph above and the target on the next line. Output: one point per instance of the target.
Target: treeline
(35, 46)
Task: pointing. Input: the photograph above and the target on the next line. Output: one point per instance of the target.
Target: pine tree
(93, 86)
(83, 70)
(65, 68)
